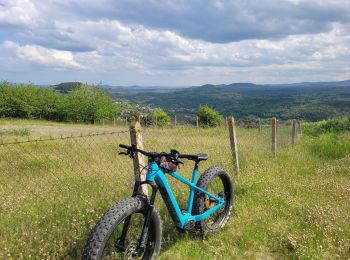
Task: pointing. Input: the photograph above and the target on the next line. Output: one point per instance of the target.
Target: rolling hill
(310, 101)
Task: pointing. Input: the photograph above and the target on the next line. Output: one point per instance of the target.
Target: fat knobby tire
(199, 200)
(112, 218)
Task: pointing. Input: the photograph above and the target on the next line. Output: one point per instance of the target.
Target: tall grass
(330, 146)
(294, 206)
(329, 139)
(16, 132)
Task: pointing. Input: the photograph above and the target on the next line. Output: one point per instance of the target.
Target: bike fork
(144, 235)
(120, 245)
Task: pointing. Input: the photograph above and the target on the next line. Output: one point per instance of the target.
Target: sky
(174, 43)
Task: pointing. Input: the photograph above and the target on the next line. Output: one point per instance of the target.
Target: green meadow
(56, 180)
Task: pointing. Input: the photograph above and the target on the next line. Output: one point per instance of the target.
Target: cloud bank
(174, 42)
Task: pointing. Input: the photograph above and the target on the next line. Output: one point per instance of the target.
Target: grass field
(52, 192)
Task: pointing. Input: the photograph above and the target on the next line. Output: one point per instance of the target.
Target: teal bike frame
(156, 178)
(157, 174)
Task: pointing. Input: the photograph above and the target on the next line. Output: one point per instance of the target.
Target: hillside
(310, 101)
(65, 87)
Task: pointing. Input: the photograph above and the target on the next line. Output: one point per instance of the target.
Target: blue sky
(150, 42)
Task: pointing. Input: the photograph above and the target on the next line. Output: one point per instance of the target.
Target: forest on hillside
(248, 101)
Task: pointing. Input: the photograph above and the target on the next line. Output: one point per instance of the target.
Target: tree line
(82, 104)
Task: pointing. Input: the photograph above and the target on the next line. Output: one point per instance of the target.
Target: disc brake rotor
(131, 251)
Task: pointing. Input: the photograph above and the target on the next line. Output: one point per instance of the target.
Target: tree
(89, 103)
(4, 96)
(18, 101)
(160, 117)
(209, 117)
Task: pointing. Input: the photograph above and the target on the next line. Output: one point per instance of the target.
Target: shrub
(209, 117)
(132, 115)
(335, 125)
(160, 117)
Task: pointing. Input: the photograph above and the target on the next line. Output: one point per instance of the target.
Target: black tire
(217, 181)
(103, 237)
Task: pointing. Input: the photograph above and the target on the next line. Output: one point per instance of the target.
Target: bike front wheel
(104, 240)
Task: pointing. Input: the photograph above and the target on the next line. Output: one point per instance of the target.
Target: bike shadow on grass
(169, 239)
(171, 235)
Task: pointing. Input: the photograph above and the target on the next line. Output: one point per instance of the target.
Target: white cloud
(18, 13)
(44, 56)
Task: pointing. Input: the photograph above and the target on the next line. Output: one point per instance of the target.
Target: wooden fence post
(139, 160)
(300, 131)
(297, 129)
(233, 142)
(294, 132)
(274, 136)
(197, 122)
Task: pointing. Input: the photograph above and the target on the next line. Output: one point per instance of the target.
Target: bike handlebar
(173, 153)
(133, 148)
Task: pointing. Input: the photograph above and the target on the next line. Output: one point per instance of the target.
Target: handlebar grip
(187, 156)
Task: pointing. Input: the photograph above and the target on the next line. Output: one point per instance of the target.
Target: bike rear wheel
(102, 242)
(218, 182)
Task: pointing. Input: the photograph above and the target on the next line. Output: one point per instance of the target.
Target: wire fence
(49, 187)
(56, 182)
(179, 120)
